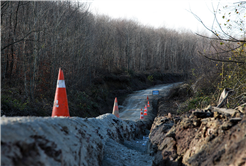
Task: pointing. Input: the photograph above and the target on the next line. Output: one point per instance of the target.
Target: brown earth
(197, 138)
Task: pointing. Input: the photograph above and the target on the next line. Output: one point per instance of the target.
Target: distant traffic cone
(145, 110)
(60, 107)
(147, 98)
(148, 104)
(116, 108)
(141, 114)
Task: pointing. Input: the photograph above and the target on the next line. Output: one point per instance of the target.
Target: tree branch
(221, 60)
(19, 40)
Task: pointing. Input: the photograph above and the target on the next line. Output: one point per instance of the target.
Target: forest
(38, 37)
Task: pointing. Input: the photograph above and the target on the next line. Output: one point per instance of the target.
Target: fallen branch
(223, 97)
(224, 110)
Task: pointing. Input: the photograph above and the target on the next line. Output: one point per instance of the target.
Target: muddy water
(130, 110)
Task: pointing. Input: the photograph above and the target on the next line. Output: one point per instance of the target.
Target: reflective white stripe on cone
(145, 110)
(141, 114)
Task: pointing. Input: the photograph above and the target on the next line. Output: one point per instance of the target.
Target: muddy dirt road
(130, 109)
(134, 152)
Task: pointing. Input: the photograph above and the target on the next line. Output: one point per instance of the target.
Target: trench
(103, 140)
(135, 151)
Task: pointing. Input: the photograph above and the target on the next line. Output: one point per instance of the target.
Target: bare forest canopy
(39, 37)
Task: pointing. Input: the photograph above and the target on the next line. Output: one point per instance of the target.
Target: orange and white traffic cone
(148, 104)
(147, 98)
(145, 110)
(116, 108)
(141, 114)
(60, 107)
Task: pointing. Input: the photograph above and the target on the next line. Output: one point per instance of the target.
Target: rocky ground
(211, 136)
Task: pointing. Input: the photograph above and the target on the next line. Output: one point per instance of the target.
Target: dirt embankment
(104, 140)
(67, 141)
(211, 136)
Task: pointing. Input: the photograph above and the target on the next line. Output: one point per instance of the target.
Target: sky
(173, 14)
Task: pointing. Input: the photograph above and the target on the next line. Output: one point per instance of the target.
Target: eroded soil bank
(65, 141)
(206, 136)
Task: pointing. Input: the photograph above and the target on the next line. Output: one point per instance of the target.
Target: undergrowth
(92, 101)
(209, 87)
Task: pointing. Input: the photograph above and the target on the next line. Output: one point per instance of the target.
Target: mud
(199, 138)
(130, 109)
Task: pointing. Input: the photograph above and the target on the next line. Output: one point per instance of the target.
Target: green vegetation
(150, 78)
(194, 103)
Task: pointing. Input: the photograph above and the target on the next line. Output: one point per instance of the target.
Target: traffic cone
(116, 108)
(145, 110)
(148, 104)
(147, 98)
(141, 114)
(60, 107)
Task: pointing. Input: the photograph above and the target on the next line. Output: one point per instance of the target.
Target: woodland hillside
(103, 58)
(39, 37)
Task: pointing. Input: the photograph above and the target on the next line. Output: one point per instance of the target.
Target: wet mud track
(134, 152)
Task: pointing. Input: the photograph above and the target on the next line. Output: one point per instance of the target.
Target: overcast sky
(158, 13)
